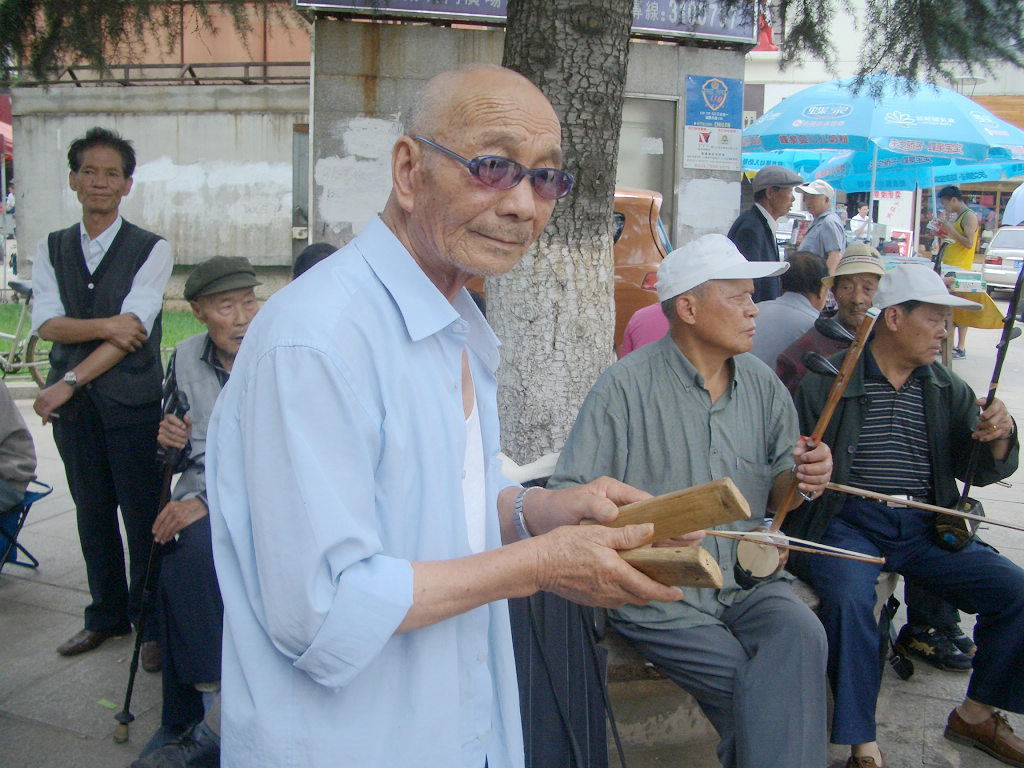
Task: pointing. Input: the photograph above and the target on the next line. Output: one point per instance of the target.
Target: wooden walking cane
(178, 405)
(757, 560)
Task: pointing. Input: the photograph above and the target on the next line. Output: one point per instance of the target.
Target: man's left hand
(597, 500)
(994, 423)
(176, 516)
(813, 466)
(52, 398)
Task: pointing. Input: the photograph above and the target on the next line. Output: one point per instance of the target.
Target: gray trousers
(758, 675)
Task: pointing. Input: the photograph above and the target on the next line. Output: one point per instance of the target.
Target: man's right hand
(126, 332)
(582, 564)
(174, 432)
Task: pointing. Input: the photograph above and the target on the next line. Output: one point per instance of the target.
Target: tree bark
(554, 312)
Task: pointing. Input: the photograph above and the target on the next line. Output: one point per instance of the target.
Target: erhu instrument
(758, 558)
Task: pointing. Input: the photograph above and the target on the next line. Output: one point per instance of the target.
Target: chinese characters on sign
(714, 123)
(704, 19)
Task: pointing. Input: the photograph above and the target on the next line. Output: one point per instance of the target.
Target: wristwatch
(71, 378)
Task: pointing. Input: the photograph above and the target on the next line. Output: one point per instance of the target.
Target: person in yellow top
(961, 243)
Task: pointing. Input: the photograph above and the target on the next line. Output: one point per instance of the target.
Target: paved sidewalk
(57, 712)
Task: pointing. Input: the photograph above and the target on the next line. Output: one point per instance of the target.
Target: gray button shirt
(650, 422)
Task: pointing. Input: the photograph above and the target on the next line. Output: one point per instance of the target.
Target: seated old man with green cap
(220, 292)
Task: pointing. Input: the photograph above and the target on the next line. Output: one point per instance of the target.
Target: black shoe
(960, 640)
(934, 646)
(196, 747)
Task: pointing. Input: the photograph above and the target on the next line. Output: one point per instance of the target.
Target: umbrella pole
(916, 242)
(870, 198)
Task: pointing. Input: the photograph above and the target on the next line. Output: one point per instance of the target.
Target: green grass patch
(179, 325)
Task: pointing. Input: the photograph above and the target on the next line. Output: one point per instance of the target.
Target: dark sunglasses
(503, 173)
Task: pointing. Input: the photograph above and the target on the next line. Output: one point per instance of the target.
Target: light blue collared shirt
(335, 459)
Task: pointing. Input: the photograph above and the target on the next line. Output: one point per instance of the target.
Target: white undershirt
(473, 487)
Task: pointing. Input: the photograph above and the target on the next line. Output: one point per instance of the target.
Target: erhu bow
(760, 556)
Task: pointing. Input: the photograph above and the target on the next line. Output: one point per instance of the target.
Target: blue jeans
(977, 579)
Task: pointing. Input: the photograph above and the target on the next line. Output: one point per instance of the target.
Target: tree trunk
(554, 312)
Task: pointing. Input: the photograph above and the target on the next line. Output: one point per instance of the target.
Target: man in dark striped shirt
(906, 426)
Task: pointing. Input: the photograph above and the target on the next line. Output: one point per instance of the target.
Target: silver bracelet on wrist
(518, 520)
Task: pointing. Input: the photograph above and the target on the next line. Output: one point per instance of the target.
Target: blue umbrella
(852, 171)
(802, 161)
(906, 117)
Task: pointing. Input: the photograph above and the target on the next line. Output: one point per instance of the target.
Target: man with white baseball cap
(754, 230)
(691, 408)
(905, 427)
(826, 236)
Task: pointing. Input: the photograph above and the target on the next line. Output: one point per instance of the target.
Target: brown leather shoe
(84, 641)
(151, 657)
(865, 762)
(994, 736)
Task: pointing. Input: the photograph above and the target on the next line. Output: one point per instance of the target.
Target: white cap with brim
(917, 282)
(710, 257)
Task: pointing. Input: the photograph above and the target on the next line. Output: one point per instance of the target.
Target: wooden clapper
(675, 514)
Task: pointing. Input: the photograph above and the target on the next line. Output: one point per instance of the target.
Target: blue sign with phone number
(704, 19)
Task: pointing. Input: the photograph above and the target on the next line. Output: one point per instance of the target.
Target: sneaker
(934, 646)
(960, 640)
(959, 354)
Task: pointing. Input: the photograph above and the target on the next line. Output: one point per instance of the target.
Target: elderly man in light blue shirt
(364, 537)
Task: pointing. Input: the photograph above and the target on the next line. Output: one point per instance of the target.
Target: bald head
(454, 222)
(455, 101)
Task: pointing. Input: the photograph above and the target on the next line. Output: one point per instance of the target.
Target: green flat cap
(219, 274)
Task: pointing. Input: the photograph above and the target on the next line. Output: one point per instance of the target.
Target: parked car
(641, 243)
(1003, 258)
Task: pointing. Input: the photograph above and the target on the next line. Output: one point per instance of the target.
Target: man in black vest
(753, 232)
(99, 289)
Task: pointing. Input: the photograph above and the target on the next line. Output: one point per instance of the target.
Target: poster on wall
(714, 123)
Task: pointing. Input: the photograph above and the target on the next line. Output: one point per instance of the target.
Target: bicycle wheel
(37, 358)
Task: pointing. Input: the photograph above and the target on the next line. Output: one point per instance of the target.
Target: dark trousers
(108, 469)
(977, 579)
(191, 623)
(926, 610)
(561, 681)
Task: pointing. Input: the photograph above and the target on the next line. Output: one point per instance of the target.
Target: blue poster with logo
(712, 138)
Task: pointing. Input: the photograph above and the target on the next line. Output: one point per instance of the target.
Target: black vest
(138, 379)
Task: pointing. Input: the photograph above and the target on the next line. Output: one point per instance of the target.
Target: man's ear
(405, 159)
(891, 316)
(73, 181)
(131, 180)
(686, 308)
(197, 310)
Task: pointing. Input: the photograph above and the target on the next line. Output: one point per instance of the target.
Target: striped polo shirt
(892, 454)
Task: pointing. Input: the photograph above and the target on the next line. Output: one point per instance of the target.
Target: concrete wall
(214, 173)
(364, 75)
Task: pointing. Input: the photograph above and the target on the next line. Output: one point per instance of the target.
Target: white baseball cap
(916, 282)
(709, 257)
(818, 187)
